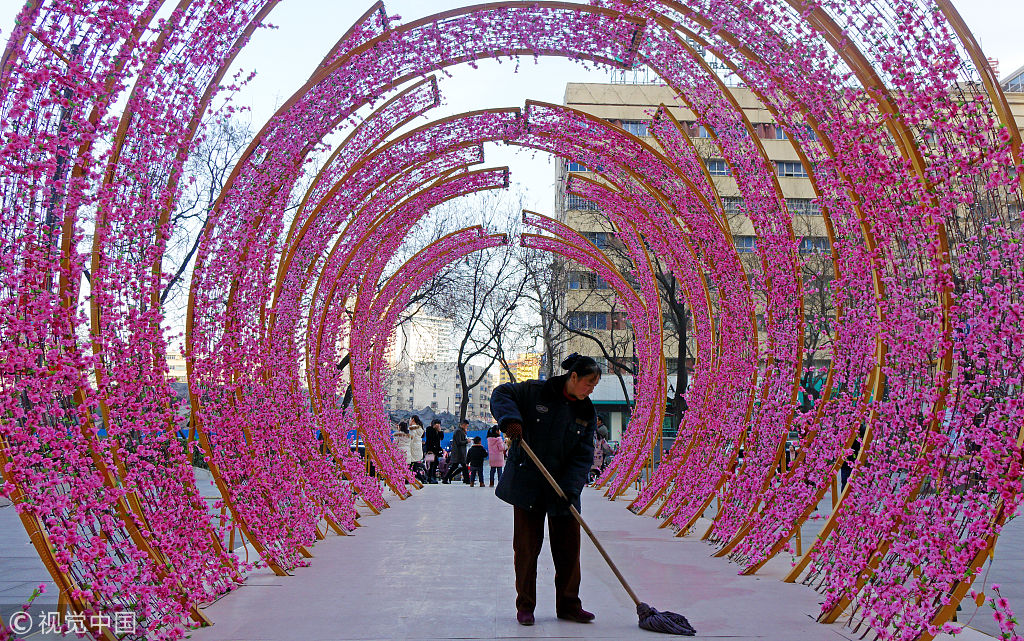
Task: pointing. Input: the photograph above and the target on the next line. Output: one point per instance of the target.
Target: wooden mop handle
(579, 519)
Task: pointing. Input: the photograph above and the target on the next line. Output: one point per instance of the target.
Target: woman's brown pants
(527, 538)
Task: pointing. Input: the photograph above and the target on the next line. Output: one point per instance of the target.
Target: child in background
(442, 463)
(495, 452)
(475, 457)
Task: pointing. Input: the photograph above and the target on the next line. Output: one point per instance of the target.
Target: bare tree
(675, 321)
(482, 294)
(545, 291)
(677, 326)
(431, 228)
(205, 173)
(608, 330)
(488, 289)
(818, 272)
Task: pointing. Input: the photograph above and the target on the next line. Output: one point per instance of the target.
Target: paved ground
(21, 571)
(1006, 569)
(439, 566)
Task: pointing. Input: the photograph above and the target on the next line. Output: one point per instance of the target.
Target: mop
(650, 619)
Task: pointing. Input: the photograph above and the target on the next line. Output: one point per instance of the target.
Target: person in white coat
(402, 442)
(416, 431)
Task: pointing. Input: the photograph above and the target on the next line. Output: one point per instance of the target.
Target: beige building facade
(590, 303)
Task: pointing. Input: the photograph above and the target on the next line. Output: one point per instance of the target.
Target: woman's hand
(514, 429)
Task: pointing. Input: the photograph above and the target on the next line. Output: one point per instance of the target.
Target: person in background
(475, 458)
(847, 468)
(432, 447)
(601, 448)
(442, 464)
(457, 458)
(415, 443)
(495, 452)
(556, 418)
(401, 439)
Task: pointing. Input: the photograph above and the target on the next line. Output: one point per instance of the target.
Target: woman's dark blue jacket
(561, 434)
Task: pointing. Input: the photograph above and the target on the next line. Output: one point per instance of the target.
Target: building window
(588, 320)
(790, 169)
(780, 133)
(636, 127)
(814, 245)
(573, 201)
(619, 320)
(598, 238)
(718, 168)
(704, 132)
(745, 244)
(587, 280)
(802, 207)
(577, 166)
(733, 206)
(1015, 84)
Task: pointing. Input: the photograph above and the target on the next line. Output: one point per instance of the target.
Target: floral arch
(892, 110)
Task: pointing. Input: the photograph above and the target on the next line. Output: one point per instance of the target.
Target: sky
(306, 29)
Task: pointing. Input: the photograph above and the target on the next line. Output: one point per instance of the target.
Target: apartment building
(436, 385)
(590, 303)
(420, 339)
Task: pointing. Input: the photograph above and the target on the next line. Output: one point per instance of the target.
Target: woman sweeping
(551, 424)
(556, 418)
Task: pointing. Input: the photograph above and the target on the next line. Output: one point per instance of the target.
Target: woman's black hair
(493, 432)
(403, 427)
(416, 419)
(581, 365)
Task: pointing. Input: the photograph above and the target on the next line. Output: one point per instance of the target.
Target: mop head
(666, 622)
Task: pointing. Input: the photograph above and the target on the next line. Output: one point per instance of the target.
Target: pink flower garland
(912, 169)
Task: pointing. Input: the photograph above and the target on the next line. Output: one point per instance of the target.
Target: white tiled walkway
(439, 566)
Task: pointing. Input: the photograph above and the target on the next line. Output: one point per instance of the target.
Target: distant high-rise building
(401, 389)
(176, 365)
(436, 385)
(421, 339)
